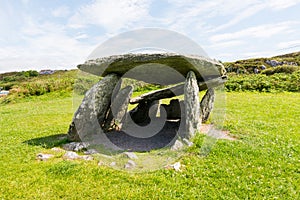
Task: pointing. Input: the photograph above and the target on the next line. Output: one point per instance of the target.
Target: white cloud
(48, 46)
(196, 14)
(261, 31)
(62, 11)
(112, 15)
(289, 44)
(226, 44)
(282, 4)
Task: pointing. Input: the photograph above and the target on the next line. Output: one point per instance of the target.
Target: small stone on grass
(177, 146)
(131, 155)
(44, 157)
(130, 164)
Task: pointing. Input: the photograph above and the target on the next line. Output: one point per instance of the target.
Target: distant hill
(281, 73)
(247, 66)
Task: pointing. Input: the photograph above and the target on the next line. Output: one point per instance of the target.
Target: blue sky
(59, 34)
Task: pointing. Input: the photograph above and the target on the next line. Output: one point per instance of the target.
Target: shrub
(287, 69)
(264, 83)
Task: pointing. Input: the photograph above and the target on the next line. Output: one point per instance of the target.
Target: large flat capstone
(159, 68)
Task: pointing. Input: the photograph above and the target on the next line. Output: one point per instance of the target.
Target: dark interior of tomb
(160, 140)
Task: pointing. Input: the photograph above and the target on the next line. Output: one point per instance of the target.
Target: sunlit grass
(263, 163)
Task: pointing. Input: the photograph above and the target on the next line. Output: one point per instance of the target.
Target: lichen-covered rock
(177, 146)
(207, 104)
(204, 68)
(118, 109)
(192, 106)
(44, 157)
(90, 115)
(131, 155)
(75, 146)
(130, 164)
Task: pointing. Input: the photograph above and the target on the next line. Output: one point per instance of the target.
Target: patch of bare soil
(210, 130)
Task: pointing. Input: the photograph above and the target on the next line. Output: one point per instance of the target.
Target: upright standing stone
(192, 105)
(91, 114)
(207, 104)
(118, 109)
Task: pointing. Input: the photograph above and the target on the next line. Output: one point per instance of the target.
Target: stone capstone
(203, 67)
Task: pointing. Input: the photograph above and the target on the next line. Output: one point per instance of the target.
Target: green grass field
(264, 163)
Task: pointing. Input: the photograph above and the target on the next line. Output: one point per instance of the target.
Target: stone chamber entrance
(111, 117)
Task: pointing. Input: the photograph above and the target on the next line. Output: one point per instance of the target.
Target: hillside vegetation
(279, 73)
(286, 63)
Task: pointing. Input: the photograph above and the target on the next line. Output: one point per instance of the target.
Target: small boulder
(57, 149)
(44, 157)
(176, 166)
(187, 142)
(130, 164)
(131, 155)
(90, 152)
(86, 157)
(70, 155)
(177, 145)
(75, 146)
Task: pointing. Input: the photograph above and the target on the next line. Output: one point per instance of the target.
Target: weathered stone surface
(176, 166)
(91, 113)
(75, 146)
(187, 142)
(177, 145)
(207, 104)
(44, 157)
(192, 106)
(57, 149)
(173, 109)
(118, 109)
(131, 155)
(90, 152)
(70, 155)
(203, 67)
(176, 90)
(130, 164)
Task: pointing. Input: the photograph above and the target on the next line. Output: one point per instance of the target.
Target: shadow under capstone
(163, 138)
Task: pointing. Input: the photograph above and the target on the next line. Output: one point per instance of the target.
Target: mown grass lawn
(264, 163)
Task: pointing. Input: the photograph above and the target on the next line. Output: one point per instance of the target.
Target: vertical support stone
(118, 109)
(192, 105)
(91, 114)
(207, 104)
